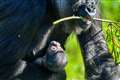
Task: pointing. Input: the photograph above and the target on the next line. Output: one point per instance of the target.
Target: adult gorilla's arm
(99, 62)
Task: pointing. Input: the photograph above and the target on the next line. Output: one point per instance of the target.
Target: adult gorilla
(23, 24)
(98, 61)
(27, 52)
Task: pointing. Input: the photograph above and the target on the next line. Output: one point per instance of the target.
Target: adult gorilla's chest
(19, 22)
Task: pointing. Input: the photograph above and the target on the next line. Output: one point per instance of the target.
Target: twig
(79, 17)
(104, 20)
(66, 19)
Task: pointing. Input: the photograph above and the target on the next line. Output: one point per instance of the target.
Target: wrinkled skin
(25, 40)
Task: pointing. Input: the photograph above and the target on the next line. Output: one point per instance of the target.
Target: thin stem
(105, 20)
(79, 17)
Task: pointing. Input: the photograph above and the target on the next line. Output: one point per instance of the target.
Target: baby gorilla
(54, 59)
(49, 67)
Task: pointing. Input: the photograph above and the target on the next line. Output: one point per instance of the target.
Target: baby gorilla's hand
(55, 58)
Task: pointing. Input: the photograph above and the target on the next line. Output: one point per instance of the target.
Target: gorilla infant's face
(55, 58)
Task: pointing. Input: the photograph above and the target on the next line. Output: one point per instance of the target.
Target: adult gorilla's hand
(87, 10)
(54, 59)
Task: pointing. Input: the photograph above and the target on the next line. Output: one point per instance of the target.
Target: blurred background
(110, 9)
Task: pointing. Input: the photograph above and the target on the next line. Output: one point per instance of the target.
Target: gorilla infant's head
(55, 58)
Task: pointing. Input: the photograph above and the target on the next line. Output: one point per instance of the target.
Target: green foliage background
(110, 9)
(75, 68)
